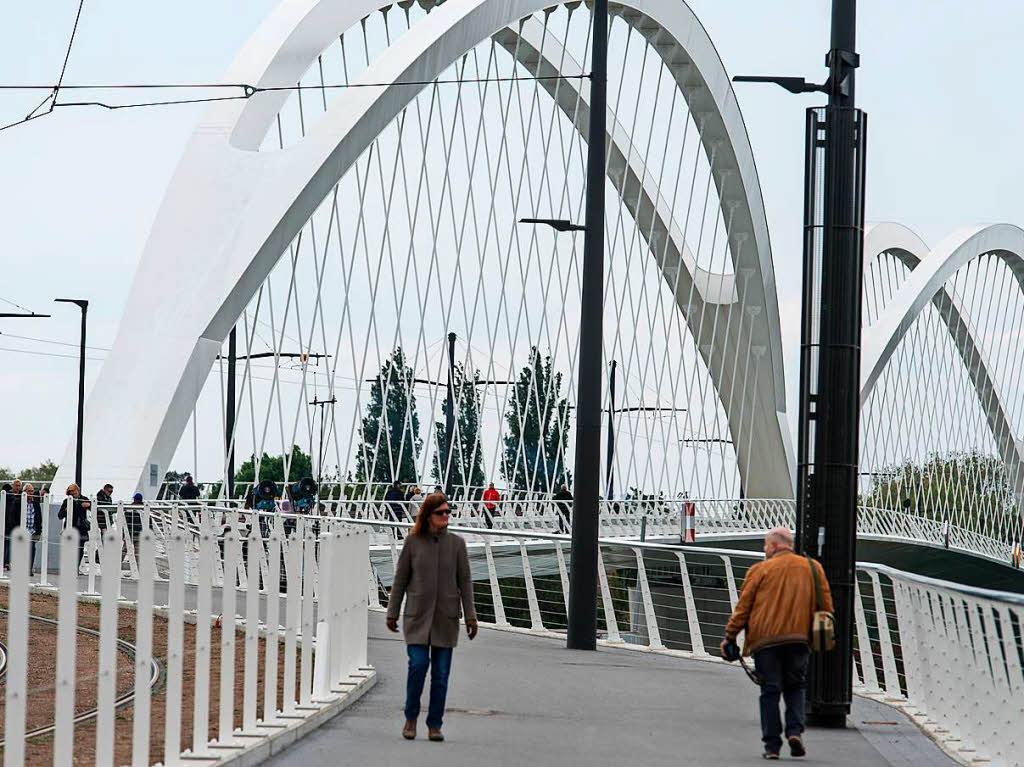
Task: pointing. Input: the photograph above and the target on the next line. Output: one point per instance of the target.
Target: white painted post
(129, 548)
(360, 618)
(175, 644)
(333, 598)
(492, 574)
(321, 661)
(889, 675)
(252, 618)
(107, 682)
(92, 544)
(44, 560)
(293, 578)
(867, 660)
(204, 610)
(692, 619)
(611, 624)
(653, 634)
(308, 625)
(143, 651)
(121, 529)
(67, 635)
(270, 646)
(226, 722)
(4, 543)
(563, 573)
(536, 622)
(17, 651)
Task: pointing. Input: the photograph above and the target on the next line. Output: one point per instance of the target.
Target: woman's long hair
(430, 503)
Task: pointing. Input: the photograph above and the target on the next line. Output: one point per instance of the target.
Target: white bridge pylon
(233, 209)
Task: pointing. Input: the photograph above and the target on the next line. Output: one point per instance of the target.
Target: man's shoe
(770, 754)
(409, 731)
(435, 735)
(796, 746)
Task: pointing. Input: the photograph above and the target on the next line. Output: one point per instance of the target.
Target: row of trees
(43, 472)
(536, 427)
(967, 485)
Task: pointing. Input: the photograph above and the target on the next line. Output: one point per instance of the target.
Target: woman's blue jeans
(439, 660)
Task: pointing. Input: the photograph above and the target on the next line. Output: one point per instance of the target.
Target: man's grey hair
(781, 535)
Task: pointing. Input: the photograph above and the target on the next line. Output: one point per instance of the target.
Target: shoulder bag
(823, 623)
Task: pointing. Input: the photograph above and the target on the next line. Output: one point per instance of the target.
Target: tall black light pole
(582, 630)
(82, 304)
(828, 440)
(449, 421)
(610, 468)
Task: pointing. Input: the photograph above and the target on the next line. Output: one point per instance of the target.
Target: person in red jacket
(491, 498)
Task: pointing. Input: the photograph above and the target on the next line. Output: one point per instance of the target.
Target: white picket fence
(304, 593)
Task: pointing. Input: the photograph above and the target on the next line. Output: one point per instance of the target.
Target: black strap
(817, 586)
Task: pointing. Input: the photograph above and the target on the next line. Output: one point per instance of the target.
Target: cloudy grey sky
(80, 187)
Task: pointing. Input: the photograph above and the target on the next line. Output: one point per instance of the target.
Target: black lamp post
(582, 629)
(84, 306)
(828, 439)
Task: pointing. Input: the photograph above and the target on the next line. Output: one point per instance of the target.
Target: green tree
(273, 467)
(970, 489)
(467, 463)
(537, 426)
(45, 471)
(389, 435)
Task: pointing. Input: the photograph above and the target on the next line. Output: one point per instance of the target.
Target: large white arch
(231, 211)
(924, 286)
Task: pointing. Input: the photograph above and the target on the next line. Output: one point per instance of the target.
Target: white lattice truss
(375, 210)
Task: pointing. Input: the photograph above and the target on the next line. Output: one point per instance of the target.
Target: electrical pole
(82, 304)
(582, 629)
(321, 403)
(230, 400)
(229, 421)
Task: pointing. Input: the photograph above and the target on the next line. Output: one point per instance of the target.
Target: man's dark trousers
(783, 670)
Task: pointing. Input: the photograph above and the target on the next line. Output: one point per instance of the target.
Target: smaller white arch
(925, 286)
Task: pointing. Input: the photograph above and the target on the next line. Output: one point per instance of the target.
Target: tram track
(156, 670)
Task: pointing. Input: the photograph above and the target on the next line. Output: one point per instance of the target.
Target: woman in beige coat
(434, 579)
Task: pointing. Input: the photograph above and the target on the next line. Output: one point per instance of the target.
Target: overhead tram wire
(55, 89)
(248, 91)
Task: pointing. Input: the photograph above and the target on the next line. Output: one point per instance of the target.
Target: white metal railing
(271, 586)
(951, 656)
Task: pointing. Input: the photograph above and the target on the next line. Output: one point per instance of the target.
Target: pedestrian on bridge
(433, 578)
(775, 608)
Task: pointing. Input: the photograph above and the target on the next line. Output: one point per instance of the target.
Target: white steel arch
(925, 286)
(230, 212)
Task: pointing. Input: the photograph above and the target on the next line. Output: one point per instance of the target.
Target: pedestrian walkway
(524, 700)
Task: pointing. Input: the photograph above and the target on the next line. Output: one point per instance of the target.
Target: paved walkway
(523, 700)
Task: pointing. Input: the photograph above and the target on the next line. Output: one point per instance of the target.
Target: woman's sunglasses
(439, 512)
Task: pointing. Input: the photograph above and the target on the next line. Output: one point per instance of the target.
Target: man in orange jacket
(775, 608)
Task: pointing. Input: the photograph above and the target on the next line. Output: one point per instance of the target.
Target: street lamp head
(82, 303)
(558, 224)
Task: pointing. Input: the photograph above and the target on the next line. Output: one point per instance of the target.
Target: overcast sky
(80, 188)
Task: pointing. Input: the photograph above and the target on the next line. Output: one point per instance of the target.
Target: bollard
(690, 522)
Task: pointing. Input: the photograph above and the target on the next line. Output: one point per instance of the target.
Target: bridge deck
(518, 700)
